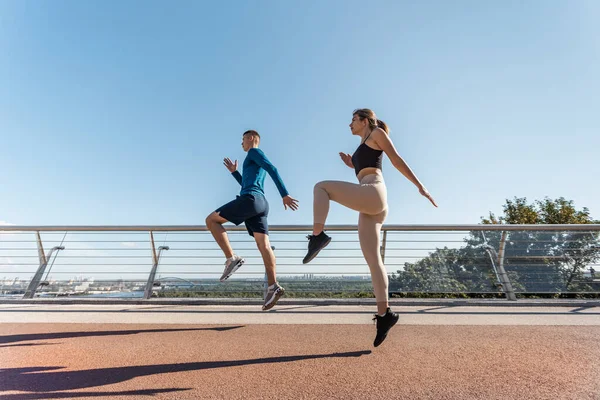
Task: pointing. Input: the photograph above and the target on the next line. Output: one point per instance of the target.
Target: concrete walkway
(297, 352)
(297, 315)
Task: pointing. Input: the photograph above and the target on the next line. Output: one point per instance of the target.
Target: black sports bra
(366, 157)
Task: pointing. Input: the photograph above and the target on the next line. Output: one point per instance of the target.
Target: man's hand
(347, 159)
(290, 202)
(425, 193)
(231, 166)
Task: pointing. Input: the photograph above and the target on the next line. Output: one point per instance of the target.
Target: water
(133, 294)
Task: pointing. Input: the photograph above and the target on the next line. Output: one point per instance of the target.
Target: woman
(369, 198)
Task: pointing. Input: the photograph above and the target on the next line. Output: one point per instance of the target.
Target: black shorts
(252, 209)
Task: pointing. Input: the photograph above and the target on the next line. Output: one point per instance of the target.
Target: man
(252, 208)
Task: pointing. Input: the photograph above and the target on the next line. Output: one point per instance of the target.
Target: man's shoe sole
(237, 266)
(277, 297)
(306, 261)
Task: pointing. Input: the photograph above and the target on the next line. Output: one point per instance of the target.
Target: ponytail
(383, 125)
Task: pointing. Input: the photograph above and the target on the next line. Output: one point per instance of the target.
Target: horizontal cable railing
(184, 261)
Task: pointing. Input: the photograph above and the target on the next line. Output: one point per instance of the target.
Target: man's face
(247, 141)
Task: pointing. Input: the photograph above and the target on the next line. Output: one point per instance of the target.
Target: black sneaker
(315, 245)
(384, 324)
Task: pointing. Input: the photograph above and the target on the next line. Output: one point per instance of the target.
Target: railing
(183, 261)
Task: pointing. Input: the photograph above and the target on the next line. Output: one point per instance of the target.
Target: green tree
(545, 261)
(535, 261)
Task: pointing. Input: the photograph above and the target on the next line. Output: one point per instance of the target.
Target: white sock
(272, 286)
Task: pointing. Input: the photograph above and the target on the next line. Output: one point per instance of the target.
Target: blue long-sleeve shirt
(255, 167)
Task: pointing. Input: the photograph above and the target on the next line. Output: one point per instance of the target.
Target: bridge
(502, 331)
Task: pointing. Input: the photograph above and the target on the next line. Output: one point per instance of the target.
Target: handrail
(284, 228)
(516, 272)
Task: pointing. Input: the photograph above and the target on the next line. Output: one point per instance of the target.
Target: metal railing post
(383, 242)
(506, 285)
(493, 256)
(382, 251)
(266, 280)
(155, 261)
(35, 281)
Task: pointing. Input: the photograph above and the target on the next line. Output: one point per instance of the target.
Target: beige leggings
(369, 198)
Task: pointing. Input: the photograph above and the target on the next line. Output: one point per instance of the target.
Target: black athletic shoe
(315, 245)
(384, 324)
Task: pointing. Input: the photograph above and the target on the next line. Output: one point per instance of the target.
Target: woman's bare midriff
(367, 171)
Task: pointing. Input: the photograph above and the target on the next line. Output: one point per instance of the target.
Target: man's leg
(264, 246)
(214, 223)
(274, 291)
(258, 227)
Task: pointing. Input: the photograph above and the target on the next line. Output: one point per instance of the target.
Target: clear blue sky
(120, 112)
